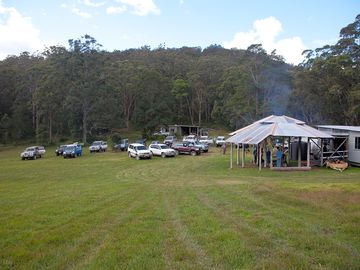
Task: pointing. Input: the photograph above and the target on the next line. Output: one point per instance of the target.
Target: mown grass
(106, 211)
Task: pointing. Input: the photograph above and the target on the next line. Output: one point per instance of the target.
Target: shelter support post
(299, 152)
(238, 154)
(308, 153)
(259, 155)
(242, 156)
(289, 152)
(271, 153)
(231, 156)
(322, 153)
(265, 149)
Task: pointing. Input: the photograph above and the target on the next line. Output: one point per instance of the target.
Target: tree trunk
(190, 113)
(84, 126)
(50, 127)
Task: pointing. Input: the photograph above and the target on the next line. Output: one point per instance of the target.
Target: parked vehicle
(186, 148)
(59, 151)
(98, 146)
(190, 138)
(30, 153)
(138, 151)
(122, 145)
(169, 140)
(203, 146)
(163, 150)
(141, 141)
(220, 140)
(161, 133)
(41, 150)
(72, 150)
(206, 139)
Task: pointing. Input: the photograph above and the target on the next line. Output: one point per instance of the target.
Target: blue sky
(287, 26)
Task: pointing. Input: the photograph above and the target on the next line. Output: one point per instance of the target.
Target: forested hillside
(76, 91)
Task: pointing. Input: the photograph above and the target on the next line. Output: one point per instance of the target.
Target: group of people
(277, 152)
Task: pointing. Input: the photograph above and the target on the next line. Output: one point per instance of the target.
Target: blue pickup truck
(72, 150)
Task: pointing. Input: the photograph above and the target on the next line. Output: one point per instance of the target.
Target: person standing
(279, 155)
(254, 154)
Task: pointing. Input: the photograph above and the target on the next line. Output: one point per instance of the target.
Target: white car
(98, 146)
(190, 138)
(162, 150)
(138, 151)
(206, 139)
(41, 150)
(220, 140)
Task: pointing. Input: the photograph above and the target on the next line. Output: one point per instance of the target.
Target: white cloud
(141, 7)
(17, 33)
(116, 10)
(265, 32)
(93, 4)
(80, 13)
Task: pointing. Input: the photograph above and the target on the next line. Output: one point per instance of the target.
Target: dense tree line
(327, 84)
(80, 91)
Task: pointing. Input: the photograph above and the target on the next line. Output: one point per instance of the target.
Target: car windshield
(141, 147)
(169, 138)
(70, 148)
(30, 149)
(96, 143)
(221, 138)
(164, 147)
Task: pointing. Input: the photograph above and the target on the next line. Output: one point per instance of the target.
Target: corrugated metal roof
(273, 125)
(347, 128)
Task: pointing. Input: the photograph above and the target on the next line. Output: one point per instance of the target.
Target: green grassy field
(106, 211)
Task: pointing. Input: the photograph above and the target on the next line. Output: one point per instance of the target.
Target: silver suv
(138, 151)
(98, 146)
(30, 153)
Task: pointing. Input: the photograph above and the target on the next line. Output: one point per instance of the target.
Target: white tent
(274, 126)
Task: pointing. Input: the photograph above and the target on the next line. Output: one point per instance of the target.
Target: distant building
(184, 130)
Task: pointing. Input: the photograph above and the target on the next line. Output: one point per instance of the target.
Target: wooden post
(321, 153)
(288, 156)
(231, 156)
(271, 153)
(299, 152)
(237, 155)
(259, 155)
(243, 156)
(265, 151)
(308, 153)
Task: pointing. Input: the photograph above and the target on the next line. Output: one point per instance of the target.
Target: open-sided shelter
(267, 131)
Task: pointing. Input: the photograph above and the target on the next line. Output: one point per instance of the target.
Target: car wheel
(23, 158)
(34, 157)
(163, 155)
(137, 157)
(193, 153)
(129, 154)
